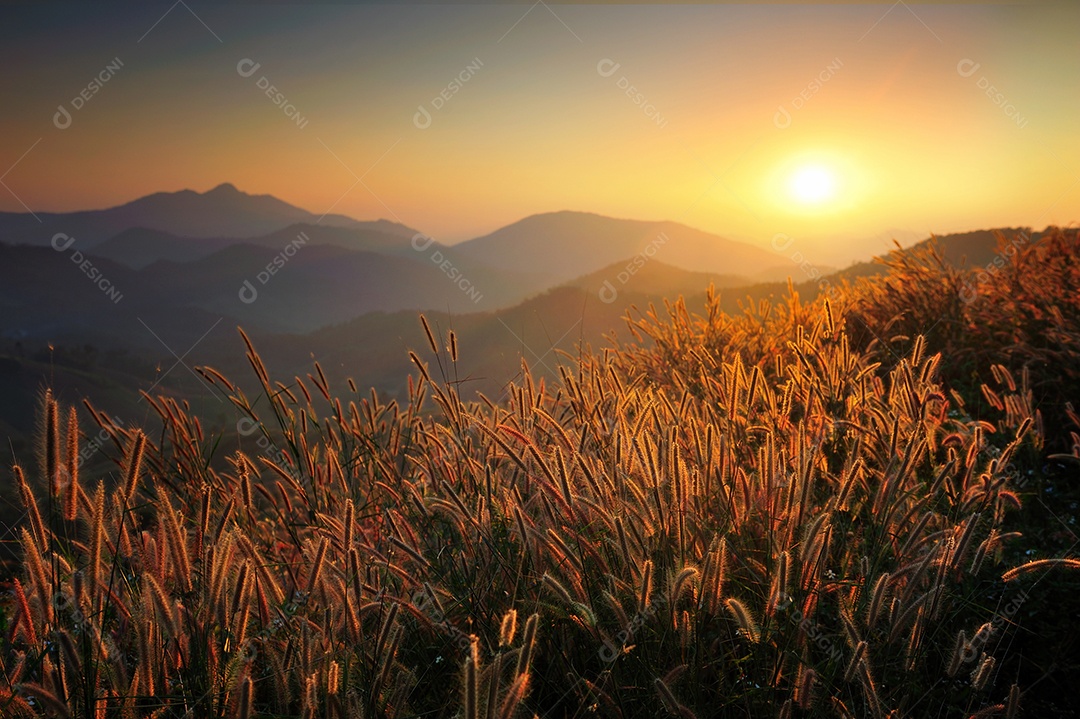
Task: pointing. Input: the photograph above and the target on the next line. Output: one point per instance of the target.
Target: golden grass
(757, 514)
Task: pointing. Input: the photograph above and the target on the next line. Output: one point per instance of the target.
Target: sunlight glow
(812, 185)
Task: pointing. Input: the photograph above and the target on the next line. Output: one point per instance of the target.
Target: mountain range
(170, 276)
(223, 211)
(269, 265)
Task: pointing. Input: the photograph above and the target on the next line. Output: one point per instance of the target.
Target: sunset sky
(835, 124)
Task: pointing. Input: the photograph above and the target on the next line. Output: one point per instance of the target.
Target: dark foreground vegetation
(861, 506)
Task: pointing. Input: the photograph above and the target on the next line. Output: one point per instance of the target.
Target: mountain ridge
(562, 245)
(222, 211)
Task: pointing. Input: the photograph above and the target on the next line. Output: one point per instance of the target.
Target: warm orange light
(812, 185)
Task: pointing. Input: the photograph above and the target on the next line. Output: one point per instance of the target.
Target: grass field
(861, 506)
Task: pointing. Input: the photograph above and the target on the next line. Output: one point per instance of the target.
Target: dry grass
(757, 516)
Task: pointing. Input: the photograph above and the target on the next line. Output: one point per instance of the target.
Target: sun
(812, 185)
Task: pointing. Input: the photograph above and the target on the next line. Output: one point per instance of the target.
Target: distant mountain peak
(559, 246)
(224, 211)
(225, 188)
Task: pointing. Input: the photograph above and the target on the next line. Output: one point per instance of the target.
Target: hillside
(828, 508)
(188, 252)
(349, 308)
(138, 247)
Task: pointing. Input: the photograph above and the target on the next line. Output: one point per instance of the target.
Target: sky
(838, 125)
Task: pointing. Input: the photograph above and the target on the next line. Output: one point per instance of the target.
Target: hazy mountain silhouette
(140, 247)
(970, 250)
(353, 309)
(654, 280)
(543, 329)
(221, 212)
(166, 261)
(317, 286)
(45, 297)
(559, 246)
